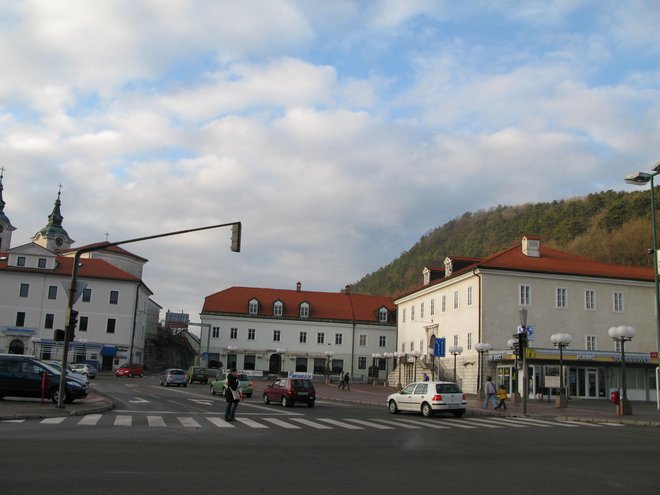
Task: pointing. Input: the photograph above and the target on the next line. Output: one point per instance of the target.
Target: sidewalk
(644, 413)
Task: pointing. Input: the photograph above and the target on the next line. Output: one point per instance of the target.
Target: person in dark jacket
(232, 395)
(347, 381)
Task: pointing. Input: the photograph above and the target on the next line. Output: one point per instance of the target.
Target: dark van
(23, 376)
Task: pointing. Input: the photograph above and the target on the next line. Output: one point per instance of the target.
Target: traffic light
(516, 345)
(236, 237)
(522, 343)
(73, 321)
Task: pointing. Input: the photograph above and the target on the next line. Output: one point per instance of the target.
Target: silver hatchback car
(174, 376)
(428, 398)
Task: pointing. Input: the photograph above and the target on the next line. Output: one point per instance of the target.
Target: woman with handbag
(232, 395)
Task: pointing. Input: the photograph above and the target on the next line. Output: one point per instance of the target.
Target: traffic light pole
(71, 314)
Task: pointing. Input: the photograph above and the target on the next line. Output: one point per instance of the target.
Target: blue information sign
(439, 347)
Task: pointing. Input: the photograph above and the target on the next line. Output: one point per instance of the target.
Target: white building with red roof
(479, 300)
(275, 331)
(115, 308)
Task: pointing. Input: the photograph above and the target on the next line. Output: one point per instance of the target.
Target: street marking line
(507, 422)
(581, 423)
(458, 423)
(370, 424)
(90, 419)
(121, 420)
(53, 421)
(220, 423)
(543, 422)
(251, 423)
(609, 424)
(13, 421)
(398, 424)
(156, 421)
(306, 422)
(281, 423)
(485, 423)
(341, 424)
(425, 424)
(188, 422)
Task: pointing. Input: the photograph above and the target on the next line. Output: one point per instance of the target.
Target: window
(455, 339)
(590, 342)
(561, 299)
(412, 313)
(432, 307)
(278, 308)
(302, 337)
(362, 363)
(403, 315)
(215, 332)
(41, 263)
(20, 261)
(339, 338)
(469, 296)
(617, 302)
(383, 314)
(249, 362)
(363, 340)
(24, 290)
(233, 333)
(276, 335)
(253, 307)
(320, 338)
(403, 347)
(421, 347)
(83, 323)
(20, 318)
(382, 341)
(525, 295)
(443, 304)
(87, 295)
(52, 292)
(50, 320)
(110, 327)
(304, 310)
(114, 296)
(301, 364)
(455, 299)
(421, 310)
(469, 341)
(251, 333)
(589, 300)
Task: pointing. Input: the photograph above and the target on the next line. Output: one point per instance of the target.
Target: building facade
(468, 301)
(274, 331)
(115, 307)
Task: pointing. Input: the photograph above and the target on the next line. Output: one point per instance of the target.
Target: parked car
(69, 371)
(130, 370)
(198, 374)
(25, 376)
(289, 391)
(173, 376)
(85, 369)
(428, 398)
(219, 385)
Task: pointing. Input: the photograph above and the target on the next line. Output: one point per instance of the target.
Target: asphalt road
(173, 440)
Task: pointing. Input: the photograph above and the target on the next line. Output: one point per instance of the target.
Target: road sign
(80, 287)
(204, 355)
(530, 330)
(439, 347)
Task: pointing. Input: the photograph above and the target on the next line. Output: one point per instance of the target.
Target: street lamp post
(482, 348)
(415, 355)
(515, 392)
(75, 291)
(376, 371)
(328, 358)
(639, 179)
(561, 341)
(455, 350)
(387, 355)
(399, 355)
(623, 334)
(84, 352)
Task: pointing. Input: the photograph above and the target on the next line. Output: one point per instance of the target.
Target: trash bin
(614, 396)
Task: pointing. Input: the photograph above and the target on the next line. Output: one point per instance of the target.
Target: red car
(130, 370)
(289, 391)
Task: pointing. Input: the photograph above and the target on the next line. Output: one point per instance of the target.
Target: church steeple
(6, 227)
(53, 236)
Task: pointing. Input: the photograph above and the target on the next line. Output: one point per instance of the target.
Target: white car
(84, 369)
(428, 398)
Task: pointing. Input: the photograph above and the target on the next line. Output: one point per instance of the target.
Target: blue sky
(337, 132)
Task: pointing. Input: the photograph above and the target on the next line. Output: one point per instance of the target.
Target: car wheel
(55, 395)
(167, 384)
(266, 399)
(310, 404)
(394, 409)
(141, 375)
(130, 375)
(458, 414)
(212, 390)
(286, 402)
(161, 383)
(427, 410)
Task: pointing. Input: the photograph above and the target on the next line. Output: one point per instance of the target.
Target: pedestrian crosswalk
(296, 423)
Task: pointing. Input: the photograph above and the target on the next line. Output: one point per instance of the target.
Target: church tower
(53, 236)
(6, 228)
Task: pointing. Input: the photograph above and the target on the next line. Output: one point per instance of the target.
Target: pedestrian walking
(232, 395)
(426, 377)
(490, 392)
(347, 381)
(501, 397)
(341, 380)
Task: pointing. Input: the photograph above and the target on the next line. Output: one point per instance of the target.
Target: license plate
(303, 393)
(454, 406)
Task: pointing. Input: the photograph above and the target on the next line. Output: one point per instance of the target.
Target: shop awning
(108, 350)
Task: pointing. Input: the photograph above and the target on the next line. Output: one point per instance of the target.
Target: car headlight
(74, 384)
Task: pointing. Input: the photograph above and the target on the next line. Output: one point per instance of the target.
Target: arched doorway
(16, 346)
(275, 364)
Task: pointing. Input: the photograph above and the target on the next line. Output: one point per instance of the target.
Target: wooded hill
(614, 227)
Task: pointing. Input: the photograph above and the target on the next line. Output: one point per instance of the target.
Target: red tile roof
(323, 305)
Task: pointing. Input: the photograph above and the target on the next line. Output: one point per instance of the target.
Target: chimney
(298, 286)
(531, 246)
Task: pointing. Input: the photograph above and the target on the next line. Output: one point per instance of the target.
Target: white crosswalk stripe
(189, 422)
(90, 419)
(156, 421)
(123, 420)
(341, 424)
(282, 424)
(219, 422)
(251, 423)
(370, 424)
(307, 422)
(53, 421)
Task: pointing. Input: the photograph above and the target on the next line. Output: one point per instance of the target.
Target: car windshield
(301, 384)
(176, 372)
(447, 388)
(242, 377)
(125, 365)
(199, 370)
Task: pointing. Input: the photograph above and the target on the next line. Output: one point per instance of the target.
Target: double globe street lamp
(621, 335)
(561, 341)
(482, 348)
(455, 350)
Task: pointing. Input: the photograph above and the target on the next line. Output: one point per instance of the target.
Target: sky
(338, 133)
